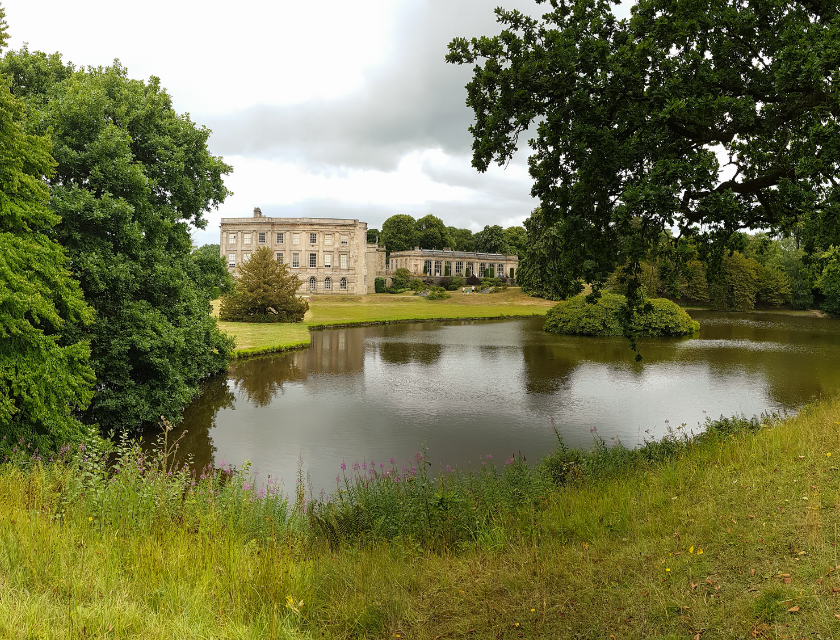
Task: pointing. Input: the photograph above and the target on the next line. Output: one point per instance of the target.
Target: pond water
(472, 388)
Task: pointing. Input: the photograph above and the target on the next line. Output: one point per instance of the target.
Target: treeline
(104, 308)
(758, 271)
(402, 232)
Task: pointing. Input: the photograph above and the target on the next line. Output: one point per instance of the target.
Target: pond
(468, 389)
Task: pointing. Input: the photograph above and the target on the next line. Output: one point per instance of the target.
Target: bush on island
(659, 318)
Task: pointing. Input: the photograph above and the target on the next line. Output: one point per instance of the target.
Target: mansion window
(279, 238)
(313, 238)
(343, 239)
(328, 260)
(261, 237)
(246, 257)
(312, 284)
(295, 238)
(459, 267)
(231, 238)
(313, 260)
(343, 284)
(482, 269)
(231, 259)
(295, 260)
(328, 284)
(328, 239)
(343, 259)
(280, 257)
(246, 238)
(427, 267)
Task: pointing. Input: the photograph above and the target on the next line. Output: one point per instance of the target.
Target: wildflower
(667, 570)
(392, 461)
(90, 518)
(699, 552)
(483, 463)
(691, 549)
(356, 466)
(381, 465)
(489, 457)
(828, 455)
(343, 466)
(593, 430)
(448, 468)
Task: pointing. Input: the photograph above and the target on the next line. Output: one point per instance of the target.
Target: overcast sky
(323, 108)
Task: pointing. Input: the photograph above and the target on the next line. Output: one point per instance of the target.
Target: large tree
(132, 176)
(492, 239)
(432, 233)
(703, 117)
(462, 239)
(44, 378)
(398, 233)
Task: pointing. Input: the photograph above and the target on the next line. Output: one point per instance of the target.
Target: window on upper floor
(246, 238)
(313, 238)
(279, 238)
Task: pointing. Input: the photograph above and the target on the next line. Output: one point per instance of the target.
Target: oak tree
(705, 117)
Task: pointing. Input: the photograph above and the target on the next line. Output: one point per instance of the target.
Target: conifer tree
(264, 292)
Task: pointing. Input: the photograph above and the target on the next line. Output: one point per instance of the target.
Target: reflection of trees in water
(408, 352)
(199, 418)
(547, 368)
(260, 379)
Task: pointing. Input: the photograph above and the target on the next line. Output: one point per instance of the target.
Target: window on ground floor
(343, 284)
(328, 284)
(312, 284)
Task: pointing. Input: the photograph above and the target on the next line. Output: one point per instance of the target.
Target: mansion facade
(329, 255)
(332, 256)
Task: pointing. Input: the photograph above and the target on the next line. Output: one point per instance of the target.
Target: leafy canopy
(633, 117)
(264, 292)
(431, 233)
(43, 378)
(132, 176)
(398, 233)
(492, 239)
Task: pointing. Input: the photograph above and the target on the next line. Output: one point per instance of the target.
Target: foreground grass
(326, 311)
(731, 537)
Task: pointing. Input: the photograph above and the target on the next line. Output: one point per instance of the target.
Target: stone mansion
(333, 256)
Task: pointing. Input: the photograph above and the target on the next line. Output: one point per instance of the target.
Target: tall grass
(726, 534)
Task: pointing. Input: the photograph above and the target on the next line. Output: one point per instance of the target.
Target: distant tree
(265, 291)
(517, 240)
(44, 378)
(492, 240)
(462, 239)
(212, 274)
(829, 280)
(398, 233)
(432, 233)
(372, 235)
(132, 177)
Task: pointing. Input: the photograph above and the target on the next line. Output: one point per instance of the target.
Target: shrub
(417, 285)
(379, 285)
(473, 280)
(445, 282)
(438, 293)
(457, 283)
(402, 278)
(577, 316)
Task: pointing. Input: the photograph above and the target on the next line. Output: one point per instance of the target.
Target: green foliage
(456, 282)
(492, 240)
(402, 278)
(372, 235)
(265, 291)
(829, 281)
(417, 285)
(132, 176)
(735, 286)
(438, 293)
(462, 239)
(43, 378)
(658, 318)
(632, 115)
(379, 285)
(431, 233)
(213, 277)
(517, 241)
(4, 28)
(398, 233)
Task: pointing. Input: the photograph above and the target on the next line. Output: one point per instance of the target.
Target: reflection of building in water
(329, 255)
(434, 263)
(334, 352)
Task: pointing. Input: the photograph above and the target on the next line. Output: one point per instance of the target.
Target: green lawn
(327, 311)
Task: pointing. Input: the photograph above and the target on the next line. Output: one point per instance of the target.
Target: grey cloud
(416, 101)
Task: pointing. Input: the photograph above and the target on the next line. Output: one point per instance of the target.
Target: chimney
(257, 212)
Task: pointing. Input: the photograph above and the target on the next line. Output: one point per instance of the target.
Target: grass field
(732, 537)
(325, 311)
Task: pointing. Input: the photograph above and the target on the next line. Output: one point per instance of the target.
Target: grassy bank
(327, 311)
(731, 535)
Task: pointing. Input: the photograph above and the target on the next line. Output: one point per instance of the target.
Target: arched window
(312, 284)
(328, 284)
(343, 284)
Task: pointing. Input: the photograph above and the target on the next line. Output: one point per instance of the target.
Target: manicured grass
(732, 536)
(327, 311)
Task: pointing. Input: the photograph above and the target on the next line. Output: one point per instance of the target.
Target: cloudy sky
(324, 108)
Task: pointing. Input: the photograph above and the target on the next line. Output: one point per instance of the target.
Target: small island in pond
(660, 317)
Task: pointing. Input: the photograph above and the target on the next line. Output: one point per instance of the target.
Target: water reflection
(471, 388)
